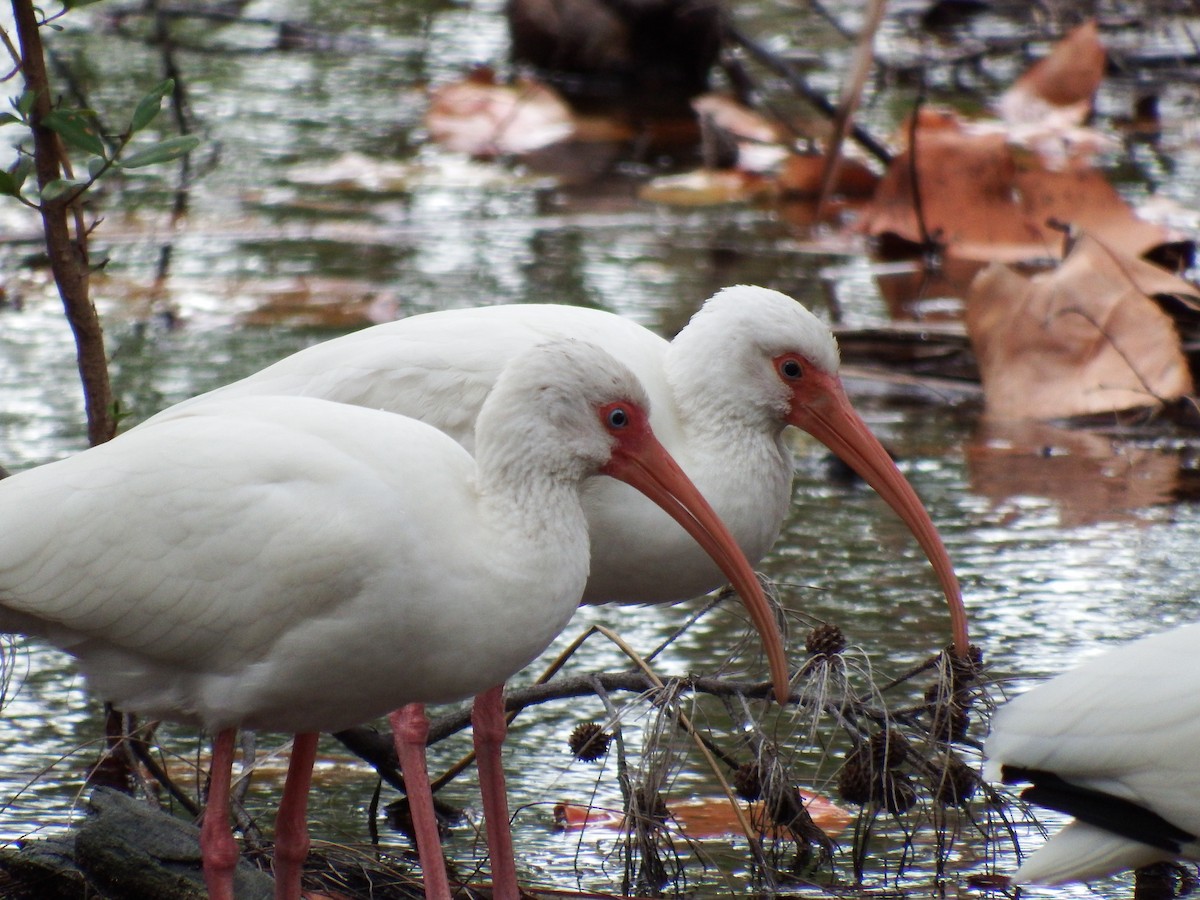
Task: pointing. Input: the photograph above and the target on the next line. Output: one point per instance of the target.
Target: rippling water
(1065, 541)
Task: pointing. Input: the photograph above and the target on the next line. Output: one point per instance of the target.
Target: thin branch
(68, 255)
(796, 82)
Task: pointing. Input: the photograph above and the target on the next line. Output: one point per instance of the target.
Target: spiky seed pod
(888, 749)
(856, 780)
(826, 639)
(899, 794)
(957, 783)
(949, 722)
(649, 803)
(747, 781)
(964, 672)
(589, 741)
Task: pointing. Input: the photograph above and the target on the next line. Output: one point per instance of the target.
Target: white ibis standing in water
(291, 564)
(751, 362)
(1115, 744)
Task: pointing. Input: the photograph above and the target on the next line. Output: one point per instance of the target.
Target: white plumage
(750, 362)
(1122, 733)
(293, 564)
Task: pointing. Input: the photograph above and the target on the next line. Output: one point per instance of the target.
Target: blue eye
(617, 417)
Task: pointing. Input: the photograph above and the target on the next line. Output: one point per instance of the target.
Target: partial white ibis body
(297, 565)
(1114, 744)
(751, 362)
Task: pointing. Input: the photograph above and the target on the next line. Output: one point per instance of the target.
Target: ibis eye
(617, 417)
(790, 368)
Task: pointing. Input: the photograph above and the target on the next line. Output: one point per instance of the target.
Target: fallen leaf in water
(1084, 338)
(981, 198)
(706, 187)
(740, 121)
(702, 818)
(927, 293)
(482, 118)
(801, 177)
(1061, 87)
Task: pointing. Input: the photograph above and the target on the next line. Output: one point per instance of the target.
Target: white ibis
(292, 564)
(1114, 744)
(750, 362)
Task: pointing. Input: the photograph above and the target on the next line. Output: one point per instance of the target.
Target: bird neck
(525, 498)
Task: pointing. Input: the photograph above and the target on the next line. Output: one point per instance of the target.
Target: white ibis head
(784, 370)
(630, 452)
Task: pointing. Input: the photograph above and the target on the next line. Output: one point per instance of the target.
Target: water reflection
(1087, 476)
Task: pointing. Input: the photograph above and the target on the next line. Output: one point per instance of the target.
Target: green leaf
(59, 187)
(24, 104)
(164, 151)
(78, 128)
(76, 4)
(22, 170)
(10, 119)
(149, 105)
(8, 185)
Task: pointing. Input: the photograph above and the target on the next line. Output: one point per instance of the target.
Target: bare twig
(797, 83)
(864, 55)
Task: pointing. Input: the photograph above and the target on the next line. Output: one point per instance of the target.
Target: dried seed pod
(856, 780)
(747, 781)
(949, 722)
(888, 749)
(589, 741)
(964, 672)
(826, 639)
(957, 783)
(899, 793)
(650, 804)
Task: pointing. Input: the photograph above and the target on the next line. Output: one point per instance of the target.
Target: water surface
(1066, 542)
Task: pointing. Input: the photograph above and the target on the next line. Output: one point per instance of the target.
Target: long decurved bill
(643, 463)
(821, 408)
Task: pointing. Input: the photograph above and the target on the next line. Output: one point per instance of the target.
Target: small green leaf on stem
(10, 119)
(78, 128)
(149, 105)
(163, 151)
(24, 104)
(21, 170)
(59, 187)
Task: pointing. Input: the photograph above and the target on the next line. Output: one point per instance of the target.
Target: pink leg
(218, 849)
(410, 729)
(490, 729)
(291, 821)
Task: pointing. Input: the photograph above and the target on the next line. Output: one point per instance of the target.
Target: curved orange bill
(822, 409)
(645, 465)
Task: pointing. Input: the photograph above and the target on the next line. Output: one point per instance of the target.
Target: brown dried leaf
(482, 118)
(702, 818)
(983, 199)
(725, 112)
(1062, 86)
(1082, 339)
(801, 177)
